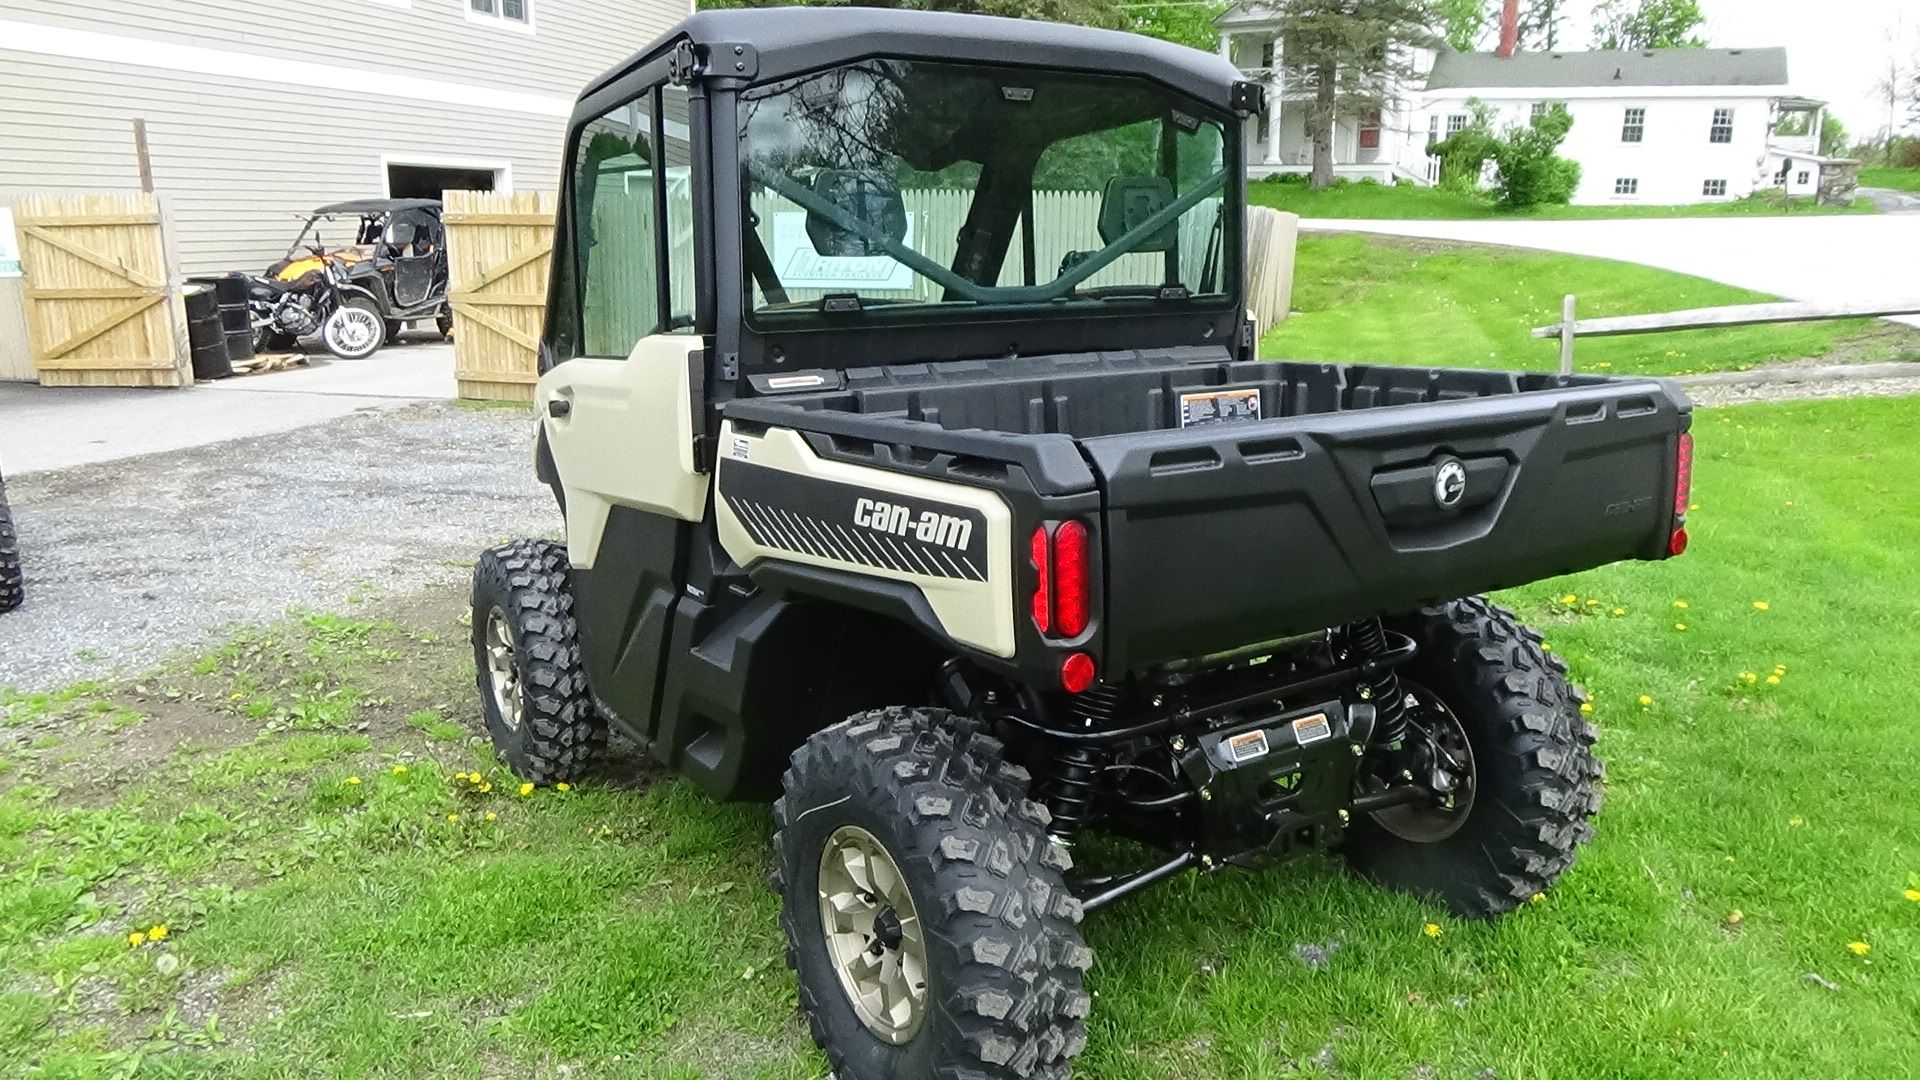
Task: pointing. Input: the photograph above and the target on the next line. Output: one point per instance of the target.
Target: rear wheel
(533, 687)
(1493, 699)
(394, 329)
(444, 323)
(355, 330)
(12, 581)
(926, 918)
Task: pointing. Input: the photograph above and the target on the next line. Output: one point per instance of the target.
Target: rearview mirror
(870, 198)
(1128, 201)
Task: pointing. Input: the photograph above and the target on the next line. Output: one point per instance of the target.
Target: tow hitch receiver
(1276, 783)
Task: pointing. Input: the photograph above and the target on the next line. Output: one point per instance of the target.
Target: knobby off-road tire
(523, 618)
(1537, 783)
(12, 581)
(1004, 958)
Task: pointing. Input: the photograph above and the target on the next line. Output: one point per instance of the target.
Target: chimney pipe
(1509, 29)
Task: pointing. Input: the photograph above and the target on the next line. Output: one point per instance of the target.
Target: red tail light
(1683, 476)
(1070, 578)
(1076, 673)
(1043, 587)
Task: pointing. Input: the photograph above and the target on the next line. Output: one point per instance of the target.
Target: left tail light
(1062, 587)
(1682, 493)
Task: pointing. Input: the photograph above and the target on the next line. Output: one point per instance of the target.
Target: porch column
(1275, 89)
(1226, 46)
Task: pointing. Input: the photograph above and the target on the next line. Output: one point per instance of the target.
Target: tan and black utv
(919, 473)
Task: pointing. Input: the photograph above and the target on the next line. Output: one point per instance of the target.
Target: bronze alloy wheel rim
(1429, 823)
(873, 934)
(501, 671)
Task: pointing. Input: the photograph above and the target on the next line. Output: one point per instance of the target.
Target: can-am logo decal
(926, 526)
(1449, 483)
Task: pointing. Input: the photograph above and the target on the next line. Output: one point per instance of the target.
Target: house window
(1803, 178)
(1370, 130)
(1722, 131)
(1266, 55)
(1714, 189)
(1626, 185)
(508, 10)
(1456, 123)
(1539, 109)
(1635, 128)
(1433, 129)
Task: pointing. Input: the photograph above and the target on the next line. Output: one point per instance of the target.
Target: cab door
(618, 414)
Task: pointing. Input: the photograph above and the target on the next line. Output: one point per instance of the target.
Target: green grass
(1373, 300)
(1890, 176)
(318, 926)
(1373, 200)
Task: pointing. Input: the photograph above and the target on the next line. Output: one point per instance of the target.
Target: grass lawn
(1377, 300)
(1365, 200)
(341, 897)
(1890, 176)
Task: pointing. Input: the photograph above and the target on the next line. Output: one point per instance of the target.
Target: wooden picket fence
(498, 251)
(101, 309)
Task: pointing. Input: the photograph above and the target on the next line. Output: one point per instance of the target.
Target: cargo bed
(1243, 501)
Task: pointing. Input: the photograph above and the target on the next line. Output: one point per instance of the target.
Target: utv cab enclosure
(918, 469)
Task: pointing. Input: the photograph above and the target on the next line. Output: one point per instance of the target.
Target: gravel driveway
(131, 561)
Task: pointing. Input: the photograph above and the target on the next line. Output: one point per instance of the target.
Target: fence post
(1566, 335)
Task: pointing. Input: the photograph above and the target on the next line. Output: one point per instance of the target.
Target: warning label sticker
(1246, 746)
(1311, 729)
(1219, 406)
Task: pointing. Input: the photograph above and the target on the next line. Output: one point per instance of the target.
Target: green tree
(1648, 24)
(1183, 22)
(1352, 55)
(1540, 24)
(1465, 22)
(1464, 154)
(1531, 170)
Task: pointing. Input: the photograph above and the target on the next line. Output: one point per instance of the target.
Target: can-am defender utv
(917, 468)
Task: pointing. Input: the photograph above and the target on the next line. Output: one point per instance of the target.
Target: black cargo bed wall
(1097, 394)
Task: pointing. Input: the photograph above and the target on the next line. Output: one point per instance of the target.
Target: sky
(1836, 49)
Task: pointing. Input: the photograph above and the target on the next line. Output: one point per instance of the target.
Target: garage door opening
(428, 181)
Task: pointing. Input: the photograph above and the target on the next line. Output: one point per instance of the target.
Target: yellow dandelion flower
(136, 939)
(1679, 626)
(1619, 611)
(1432, 930)
(1789, 502)
(399, 770)
(1913, 895)
(459, 776)
(1586, 706)
(1779, 669)
(484, 788)
(1761, 605)
(563, 786)
(1546, 647)
(1592, 602)
(1567, 599)
(1773, 680)
(353, 780)
(1748, 676)
(491, 815)
(526, 790)
(1796, 821)
(1692, 507)
(1681, 604)
(1859, 948)
(476, 779)
(1645, 700)
(1734, 917)
(453, 817)
(158, 933)
(1537, 898)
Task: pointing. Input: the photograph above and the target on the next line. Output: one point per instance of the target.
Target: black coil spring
(1369, 639)
(1071, 791)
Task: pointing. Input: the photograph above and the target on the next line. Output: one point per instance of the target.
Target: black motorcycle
(321, 300)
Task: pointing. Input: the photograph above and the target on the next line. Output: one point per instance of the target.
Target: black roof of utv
(778, 43)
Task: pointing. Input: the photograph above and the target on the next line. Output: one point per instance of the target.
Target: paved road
(1801, 258)
(1893, 202)
(43, 428)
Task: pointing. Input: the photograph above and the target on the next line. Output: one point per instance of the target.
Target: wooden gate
(498, 248)
(100, 307)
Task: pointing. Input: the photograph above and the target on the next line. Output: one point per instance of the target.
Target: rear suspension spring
(1071, 791)
(1369, 639)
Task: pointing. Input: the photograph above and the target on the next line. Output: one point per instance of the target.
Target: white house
(1656, 126)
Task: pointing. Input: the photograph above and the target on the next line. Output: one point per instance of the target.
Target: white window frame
(1803, 177)
(495, 18)
(1638, 127)
(1707, 192)
(1457, 123)
(502, 170)
(1626, 187)
(1714, 129)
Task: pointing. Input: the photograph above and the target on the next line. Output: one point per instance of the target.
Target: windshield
(915, 185)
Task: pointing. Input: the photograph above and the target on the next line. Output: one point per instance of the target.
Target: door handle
(559, 408)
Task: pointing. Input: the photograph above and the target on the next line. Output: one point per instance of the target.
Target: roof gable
(1611, 67)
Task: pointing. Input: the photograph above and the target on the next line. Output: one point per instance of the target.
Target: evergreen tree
(1648, 24)
(1354, 56)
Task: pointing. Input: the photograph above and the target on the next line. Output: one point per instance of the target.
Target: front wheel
(355, 330)
(444, 323)
(12, 581)
(533, 685)
(925, 914)
(1494, 700)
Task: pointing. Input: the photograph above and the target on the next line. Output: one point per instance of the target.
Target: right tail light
(1682, 493)
(1062, 593)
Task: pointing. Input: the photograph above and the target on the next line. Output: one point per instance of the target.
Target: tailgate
(1231, 534)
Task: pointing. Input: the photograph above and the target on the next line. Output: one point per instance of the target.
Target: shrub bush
(1531, 172)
